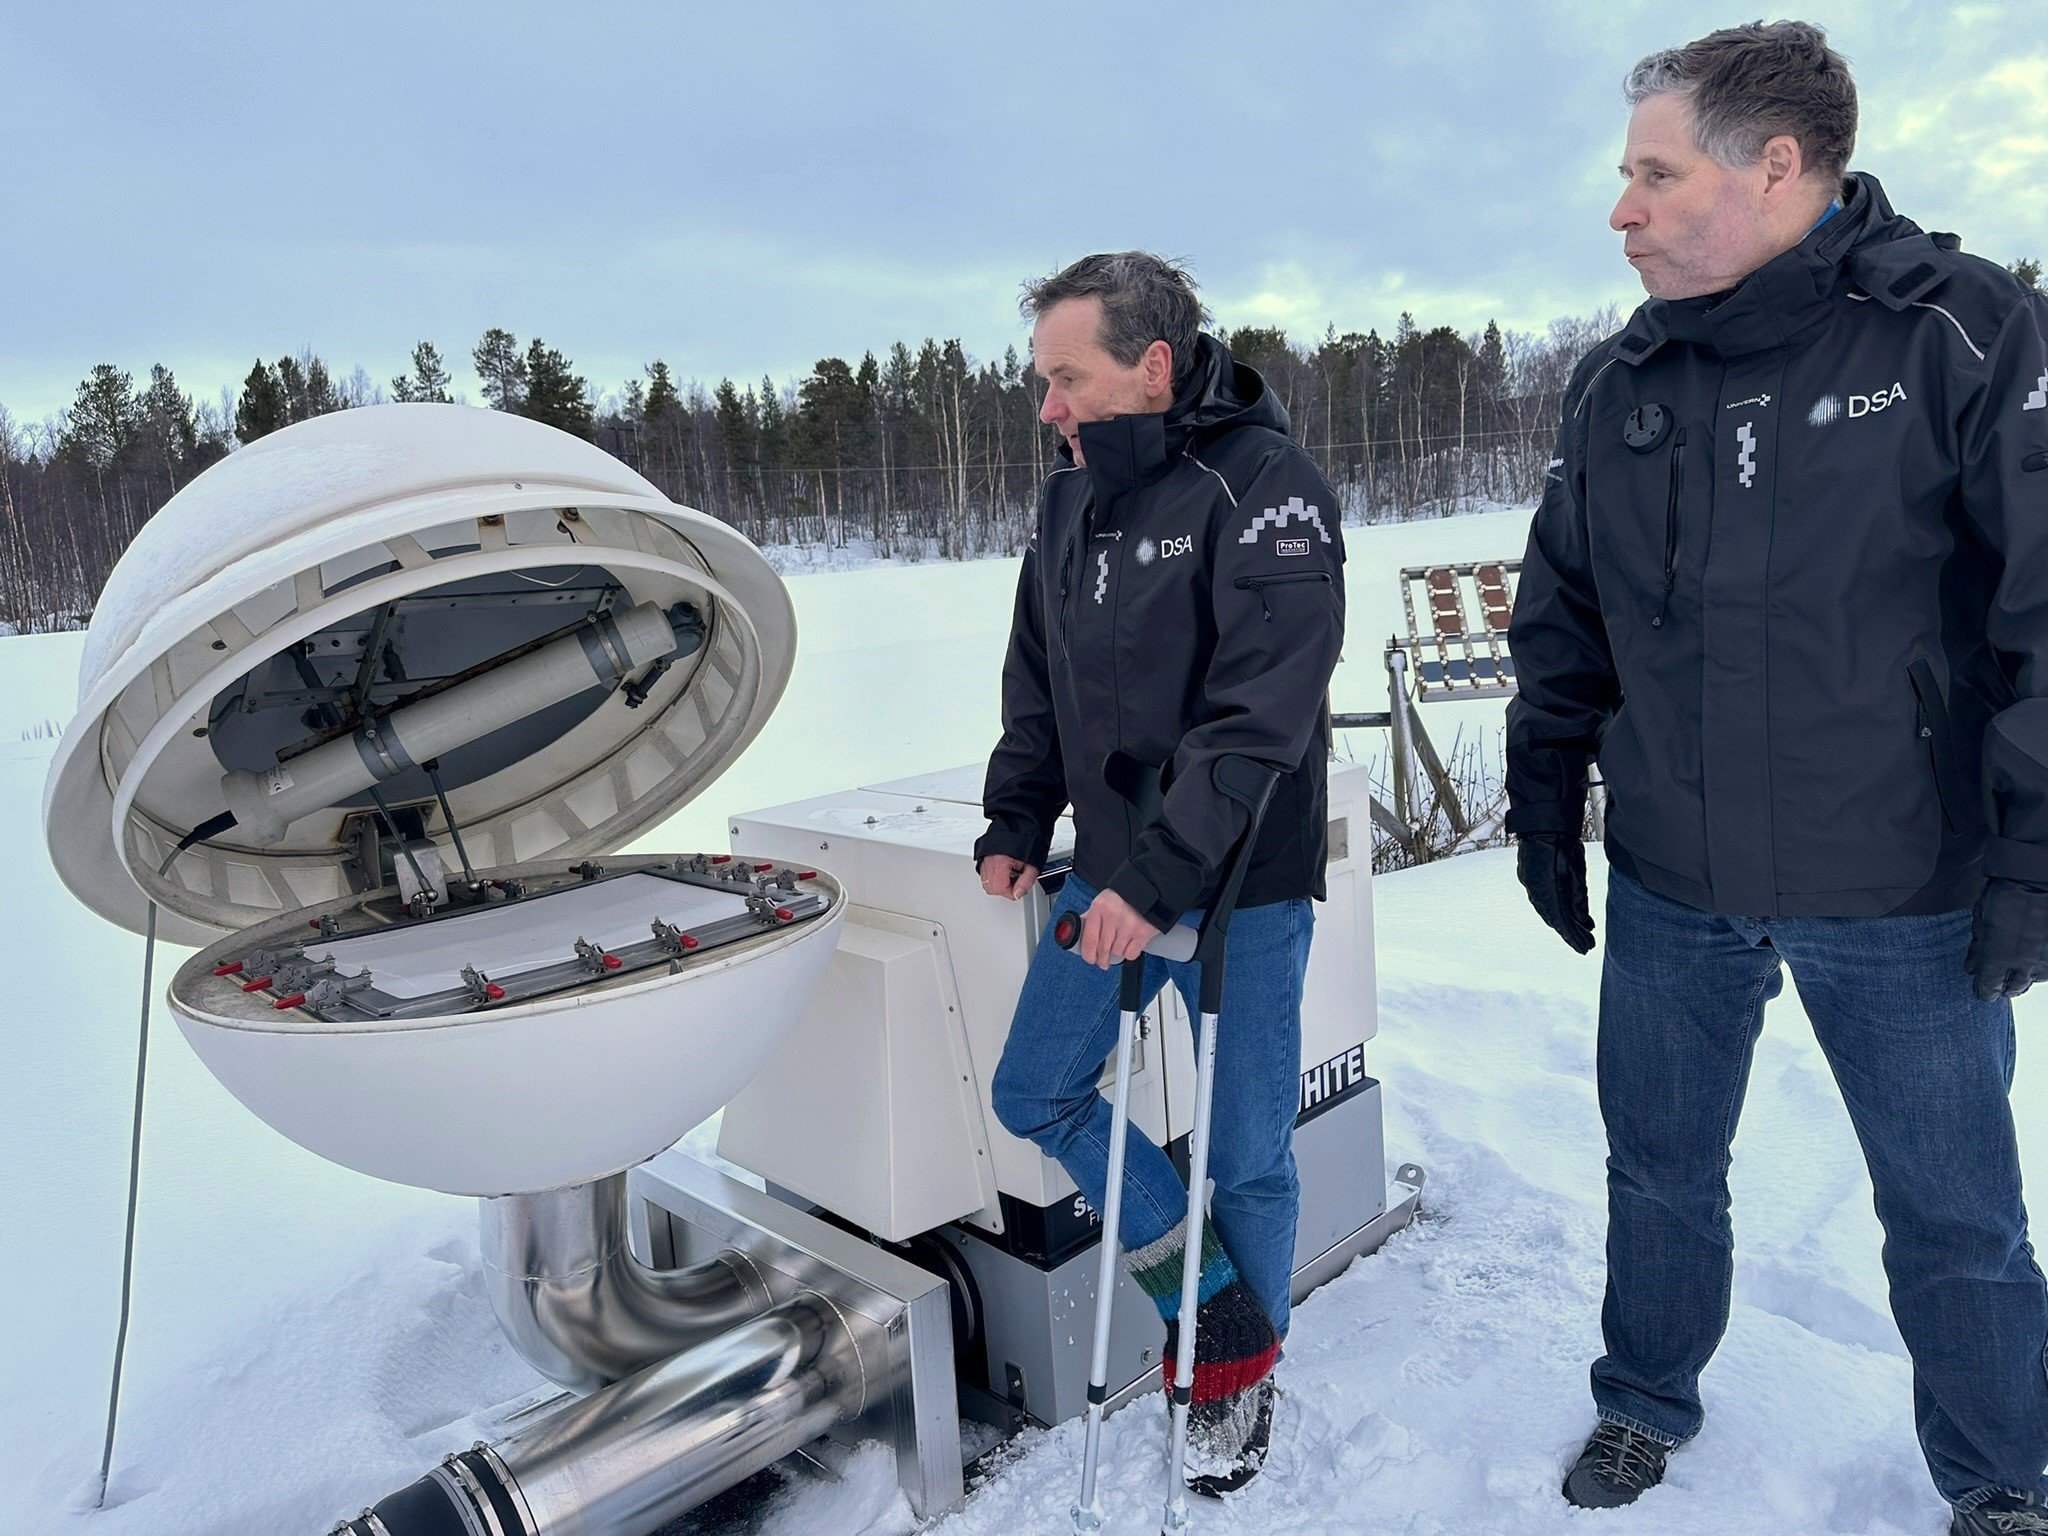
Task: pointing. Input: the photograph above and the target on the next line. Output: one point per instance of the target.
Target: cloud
(746, 190)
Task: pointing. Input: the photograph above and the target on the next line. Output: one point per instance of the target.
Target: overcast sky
(746, 188)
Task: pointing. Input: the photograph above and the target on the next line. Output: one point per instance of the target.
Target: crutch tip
(1087, 1521)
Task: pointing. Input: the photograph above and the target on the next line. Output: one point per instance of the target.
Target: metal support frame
(1448, 657)
(684, 1211)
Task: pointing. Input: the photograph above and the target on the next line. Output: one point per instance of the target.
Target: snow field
(306, 1339)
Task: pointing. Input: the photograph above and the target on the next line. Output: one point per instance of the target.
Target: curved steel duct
(577, 1304)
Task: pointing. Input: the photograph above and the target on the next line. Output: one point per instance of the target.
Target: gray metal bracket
(683, 1210)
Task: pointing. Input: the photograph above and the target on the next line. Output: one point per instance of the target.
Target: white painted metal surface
(418, 960)
(516, 1098)
(878, 1108)
(287, 544)
(331, 518)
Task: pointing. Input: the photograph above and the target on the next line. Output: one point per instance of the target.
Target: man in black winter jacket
(1788, 584)
(1181, 602)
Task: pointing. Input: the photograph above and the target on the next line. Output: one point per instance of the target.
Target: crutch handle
(1177, 943)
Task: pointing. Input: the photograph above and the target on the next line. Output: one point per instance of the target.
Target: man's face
(1082, 381)
(1689, 225)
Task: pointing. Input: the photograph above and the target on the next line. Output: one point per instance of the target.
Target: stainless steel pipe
(630, 1458)
(577, 1304)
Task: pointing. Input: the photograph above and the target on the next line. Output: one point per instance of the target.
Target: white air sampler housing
(364, 712)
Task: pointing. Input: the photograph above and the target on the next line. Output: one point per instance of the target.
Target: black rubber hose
(426, 1508)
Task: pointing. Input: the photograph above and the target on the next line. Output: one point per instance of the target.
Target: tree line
(920, 450)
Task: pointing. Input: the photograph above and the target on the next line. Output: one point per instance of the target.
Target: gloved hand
(2008, 938)
(1552, 869)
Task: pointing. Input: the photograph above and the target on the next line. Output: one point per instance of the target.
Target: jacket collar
(1783, 301)
(1125, 452)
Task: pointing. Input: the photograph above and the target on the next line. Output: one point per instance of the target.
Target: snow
(306, 1340)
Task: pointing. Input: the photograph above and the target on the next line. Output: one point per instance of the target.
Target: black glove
(1552, 870)
(2008, 938)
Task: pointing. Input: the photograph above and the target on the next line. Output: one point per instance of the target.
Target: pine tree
(661, 392)
(261, 410)
(502, 370)
(291, 383)
(103, 420)
(554, 393)
(736, 431)
(166, 416)
(321, 395)
(428, 380)
(664, 429)
(2028, 270)
(774, 440)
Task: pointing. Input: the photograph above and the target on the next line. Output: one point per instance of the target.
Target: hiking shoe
(1229, 1472)
(2003, 1514)
(1615, 1467)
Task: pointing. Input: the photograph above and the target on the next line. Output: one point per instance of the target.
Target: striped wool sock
(1235, 1344)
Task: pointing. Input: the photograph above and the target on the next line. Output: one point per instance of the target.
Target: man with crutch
(1181, 602)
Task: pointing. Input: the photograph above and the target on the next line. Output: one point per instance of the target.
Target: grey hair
(1145, 298)
(1747, 85)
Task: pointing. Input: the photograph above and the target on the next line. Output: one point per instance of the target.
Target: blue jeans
(1924, 1068)
(1064, 1029)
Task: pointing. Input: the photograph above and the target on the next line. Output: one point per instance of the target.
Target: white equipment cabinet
(876, 1108)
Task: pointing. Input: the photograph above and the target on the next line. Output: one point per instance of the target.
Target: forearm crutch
(1131, 999)
(1252, 784)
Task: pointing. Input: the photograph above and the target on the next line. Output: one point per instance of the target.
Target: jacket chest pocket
(1263, 584)
(1645, 523)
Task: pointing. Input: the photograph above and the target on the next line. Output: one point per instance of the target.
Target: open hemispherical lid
(341, 568)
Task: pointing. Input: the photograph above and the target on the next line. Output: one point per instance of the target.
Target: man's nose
(1051, 408)
(1627, 214)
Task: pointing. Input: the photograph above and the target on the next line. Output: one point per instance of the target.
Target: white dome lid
(312, 531)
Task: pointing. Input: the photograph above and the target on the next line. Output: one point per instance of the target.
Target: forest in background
(918, 451)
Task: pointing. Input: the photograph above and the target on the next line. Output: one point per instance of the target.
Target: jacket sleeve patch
(1293, 510)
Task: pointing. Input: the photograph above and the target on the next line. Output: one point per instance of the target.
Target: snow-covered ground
(307, 1339)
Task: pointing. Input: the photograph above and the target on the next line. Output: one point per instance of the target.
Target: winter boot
(1230, 1409)
(1615, 1468)
(1228, 1474)
(2003, 1514)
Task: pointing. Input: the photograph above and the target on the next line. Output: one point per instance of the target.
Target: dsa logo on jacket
(1827, 410)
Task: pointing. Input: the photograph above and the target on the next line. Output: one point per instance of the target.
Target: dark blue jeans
(1925, 1069)
(1064, 1029)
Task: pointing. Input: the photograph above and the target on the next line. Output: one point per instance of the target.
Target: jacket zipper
(1672, 498)
(1066, 571)
(1260, 583)
(1078, 537)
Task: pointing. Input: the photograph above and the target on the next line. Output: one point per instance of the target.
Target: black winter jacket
(1181, 600)
(1789, 583)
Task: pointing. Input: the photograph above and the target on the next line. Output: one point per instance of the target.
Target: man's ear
(1782, 163)
(1157, 364)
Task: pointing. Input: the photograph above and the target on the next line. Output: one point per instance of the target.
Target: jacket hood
(1220, 395)
(1790, 295)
